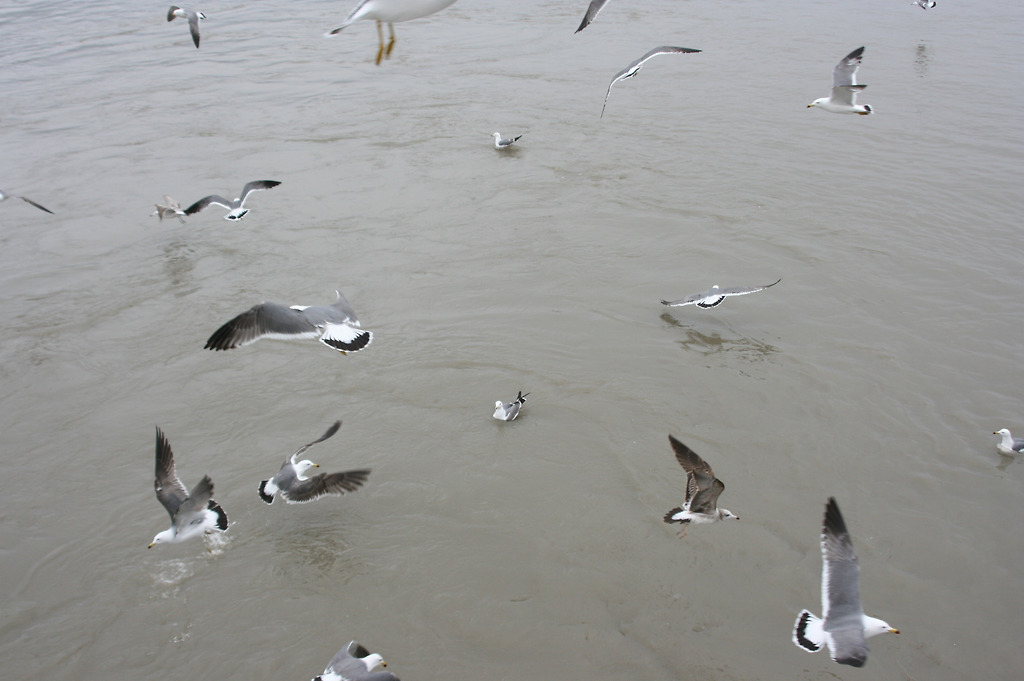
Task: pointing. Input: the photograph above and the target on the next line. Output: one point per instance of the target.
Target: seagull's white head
(166, 535)
(874, 626)
(499, 405)
(819, 100)
(726, 514)
(372, 661)
(496, 135)
(302, 466)
(1003, 431)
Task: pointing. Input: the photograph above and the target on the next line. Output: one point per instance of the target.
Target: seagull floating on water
(923, 4)
(391, 11)
(843, 626)
(595, 7)
(168, 209)
(295, 488)
(4, 196)
(714, 296)
(844, 88)
(1009, 444)
(194, 514)
(508, 411)
(335, 325)
(634, 67)
(503, 142)
(193, 20)
(702, 491)
(236, 209)
(355, 663)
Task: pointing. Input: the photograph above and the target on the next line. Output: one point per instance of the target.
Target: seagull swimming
(295, 488)
(634, 67)
(923, 4)
(335, 325)
(4, 196)
(169, 209)
(193, 20)
(236, 209)
(702, 491)
(844, 87)
(843, 626)
(355, 663)
(1009, 444)
(508, 411)
(391, 11)
(595, 7)
(714, 296)
(503, 142)
(192, 514)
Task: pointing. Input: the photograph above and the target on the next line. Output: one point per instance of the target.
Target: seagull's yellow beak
(151, 545)
(894, 631)
(809, 106)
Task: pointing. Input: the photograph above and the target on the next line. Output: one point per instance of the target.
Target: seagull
(4, 196)
(191, 514)
(1009, 444)
(169, 209)
(355, 663)
(510, 410)
(297, 489)
(714, 296)
(595, 7)
(391, 11)
(193, 20)
(702, 491)
(236, 210)
(844, 626)
(923, 4)
(634, 67)
(335, 325)
(504, 143)
(844, 88)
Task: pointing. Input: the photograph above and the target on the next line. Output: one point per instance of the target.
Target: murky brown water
(875, 371)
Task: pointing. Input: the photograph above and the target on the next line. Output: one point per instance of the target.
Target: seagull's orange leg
(380, 39)
(391, 43)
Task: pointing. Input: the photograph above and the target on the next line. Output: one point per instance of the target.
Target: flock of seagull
(843, 626)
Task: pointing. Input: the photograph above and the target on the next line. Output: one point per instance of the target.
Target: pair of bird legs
(381, 53)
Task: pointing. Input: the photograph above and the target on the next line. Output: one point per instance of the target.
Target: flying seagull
(236, 209)
(844, 88)
(193, 20)
(702, 491)
(595, 7)
(923, 4)
(844, 626)
(391, 11)
(355, 663)
(1009, 444)
(714, 296)
(295, 488)
(4, 196)
(192, 514)
(168, 209)
(634, 67)
(335, 325)
(508, 411)
(503, 142)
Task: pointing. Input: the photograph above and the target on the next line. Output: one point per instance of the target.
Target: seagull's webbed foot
(681, 533)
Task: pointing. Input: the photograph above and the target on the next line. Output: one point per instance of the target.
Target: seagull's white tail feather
(267, 491)
(809, 632)
(345, 338)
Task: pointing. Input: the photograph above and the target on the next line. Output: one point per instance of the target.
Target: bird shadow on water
(179, 262)
(714, 344)
(316, 548)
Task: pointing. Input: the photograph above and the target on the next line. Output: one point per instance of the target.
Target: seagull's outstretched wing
(840, 587)
(324, 484)
(255, 186)
(169, 489)
(595, 7)
(263, 320)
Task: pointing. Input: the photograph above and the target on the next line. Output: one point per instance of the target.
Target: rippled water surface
(875, 371)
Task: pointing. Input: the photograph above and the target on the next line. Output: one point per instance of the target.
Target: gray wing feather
(688, 300)
(324, 484)
(595, 7)
(330, 433)
(843, 614)
(193, 26)
(743, 290)
(30, 201)
(169, 489)
(206, 201)
(255, 186)
(634, 66)
(261, 320)
(689, 459)
(845, 72)
(343, 306)
(706, 500)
